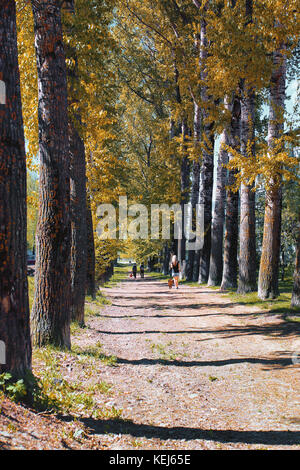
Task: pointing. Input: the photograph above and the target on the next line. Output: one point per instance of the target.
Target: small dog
(170, 283)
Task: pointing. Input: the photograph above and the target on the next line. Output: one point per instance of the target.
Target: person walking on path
(142, 270)
(134, 270)
(175, 270)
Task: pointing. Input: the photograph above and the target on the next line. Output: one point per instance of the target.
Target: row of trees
(194, 73)
(133, 95)
(64, 82)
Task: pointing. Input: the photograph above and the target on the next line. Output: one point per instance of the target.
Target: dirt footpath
(196, 371)
(168, 369)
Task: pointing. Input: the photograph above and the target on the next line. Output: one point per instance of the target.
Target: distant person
(175, 270)
(134, 271)
(142, 270)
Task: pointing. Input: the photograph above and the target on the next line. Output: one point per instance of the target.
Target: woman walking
(175, 270)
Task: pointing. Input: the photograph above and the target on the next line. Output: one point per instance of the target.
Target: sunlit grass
(77, 398)
(30, 290)
(280, 306)
(120, 273)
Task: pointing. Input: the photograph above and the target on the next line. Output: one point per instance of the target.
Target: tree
(193, 255)
(247, 254)
(14, 307)
(77, 174)
(207, 164)
(269, 262)
(90, 277)
(229, 278)
(218, 220)
(50, 316)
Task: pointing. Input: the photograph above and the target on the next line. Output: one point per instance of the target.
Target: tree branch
(147, 25)
(197, 3)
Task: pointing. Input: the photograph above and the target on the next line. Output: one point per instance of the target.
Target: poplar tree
(14, 307)
(50, 317)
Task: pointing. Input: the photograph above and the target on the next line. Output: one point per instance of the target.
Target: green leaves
(14, 390)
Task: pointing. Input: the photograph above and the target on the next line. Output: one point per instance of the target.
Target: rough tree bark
(78, 224)
(247, 254)
(269, 262)
(218, 220)
(166, 259)
(207, 165)
(77, 191)
(91, 263)
(229, 278)
(51, 308)
(184, 190)
(194, 193)
(14, 307)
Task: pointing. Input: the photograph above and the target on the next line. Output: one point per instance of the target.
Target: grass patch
(293, 319)
(97, 353)
(165, 355)
(76, 328)
(30, 290)
(281, 305)
(212, 378)
(101, 300)
(120, 273)
(55, 393)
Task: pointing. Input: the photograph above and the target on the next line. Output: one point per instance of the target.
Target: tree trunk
(78, 225)
(90, 276)
(184, 187)
(194, 192)
(269, 262)
(296, 287)
(77, 191)
(229, 279)
(15, 342)
(216, 256)
(51, 308)
(166, 259)
(247, 255)
(207, 166)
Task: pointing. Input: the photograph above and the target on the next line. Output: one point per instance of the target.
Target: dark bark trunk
(51, 308)
(184, 187)
(90, 276)
(207, 165)
(247, 255)
(218, 220)
(78, 225)
(15, 344)
(206, 189)
(229, 278)
(269, 262)
(150, 264)
(77, 192)
(295, 302)
(166, 259)
(194, 192)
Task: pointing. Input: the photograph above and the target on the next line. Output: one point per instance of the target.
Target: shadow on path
(274, 330)
(217, 435)
(280, 361)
